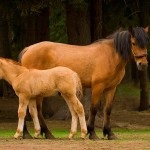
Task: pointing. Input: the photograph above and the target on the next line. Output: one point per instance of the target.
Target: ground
(124, 116)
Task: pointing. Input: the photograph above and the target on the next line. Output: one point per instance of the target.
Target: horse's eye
(133, 43)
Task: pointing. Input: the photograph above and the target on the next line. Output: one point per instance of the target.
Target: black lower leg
(107, 129)
(90, 126)
(26, 134)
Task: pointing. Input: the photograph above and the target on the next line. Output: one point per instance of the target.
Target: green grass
(122, 134)
(128, 90)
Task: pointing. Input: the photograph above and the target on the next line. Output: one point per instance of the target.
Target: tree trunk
(4, 40)
(96, 20)
(78, 24)
(4, 52)
(144, 95)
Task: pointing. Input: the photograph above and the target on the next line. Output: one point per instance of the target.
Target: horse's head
(139, 42)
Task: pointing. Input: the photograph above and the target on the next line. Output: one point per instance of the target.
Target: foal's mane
(122, 40)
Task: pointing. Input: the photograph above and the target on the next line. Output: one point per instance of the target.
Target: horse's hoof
(49, 136)
(112, 137)
(27, 136)
(93, 136)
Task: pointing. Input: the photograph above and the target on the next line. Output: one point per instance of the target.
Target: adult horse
(100, 65)
(50, 81)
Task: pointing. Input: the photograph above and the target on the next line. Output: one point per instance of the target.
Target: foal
(32, 84)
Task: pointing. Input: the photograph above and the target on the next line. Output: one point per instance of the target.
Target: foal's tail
(79, 92)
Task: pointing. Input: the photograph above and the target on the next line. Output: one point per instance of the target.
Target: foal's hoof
(37, 135)
(71, 135)
(17, 136)
(93, 136)
(83, 135)
(112, 137)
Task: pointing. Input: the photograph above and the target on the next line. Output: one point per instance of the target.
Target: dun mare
(32, 84)
(100, 65)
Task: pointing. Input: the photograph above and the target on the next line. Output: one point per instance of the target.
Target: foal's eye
(133, 43)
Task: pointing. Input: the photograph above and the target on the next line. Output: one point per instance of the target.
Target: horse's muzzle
(142, 66)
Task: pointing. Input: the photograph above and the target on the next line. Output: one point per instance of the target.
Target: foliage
(58, 31)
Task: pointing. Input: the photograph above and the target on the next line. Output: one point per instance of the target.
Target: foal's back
(48, 82)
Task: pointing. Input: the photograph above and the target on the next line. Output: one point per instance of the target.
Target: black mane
(123, 44)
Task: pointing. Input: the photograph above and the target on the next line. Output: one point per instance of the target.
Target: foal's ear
(147, 29)
(130, 29)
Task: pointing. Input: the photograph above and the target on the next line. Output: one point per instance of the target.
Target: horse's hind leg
(26, 134)
(44, 128)
(107, 111)
(34, 115)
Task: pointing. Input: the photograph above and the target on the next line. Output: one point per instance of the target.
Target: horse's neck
(115, 56)
(11, 71)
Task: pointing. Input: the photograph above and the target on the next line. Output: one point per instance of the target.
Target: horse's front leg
(34, 115)
(44, 128)
(21, 115)
(107, 111)
(96, 94)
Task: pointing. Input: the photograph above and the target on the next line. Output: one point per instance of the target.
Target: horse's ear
(130, 29)
(147, 29)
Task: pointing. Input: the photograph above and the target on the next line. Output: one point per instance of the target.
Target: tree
(4, 43)
(144, 94)
(96, 19)
(78, 22)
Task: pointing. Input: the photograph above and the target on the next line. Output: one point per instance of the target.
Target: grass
(122, 134)
(129, 90)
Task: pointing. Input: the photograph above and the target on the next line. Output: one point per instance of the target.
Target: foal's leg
(107, 111)
(96, 94)
(44, 128)
(74, 116)
(21, 115)
(34, 115)
(78, 107)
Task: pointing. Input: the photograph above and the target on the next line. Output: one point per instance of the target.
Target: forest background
(80, 22)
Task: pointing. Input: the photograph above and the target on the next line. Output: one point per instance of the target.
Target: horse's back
(45, 55)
